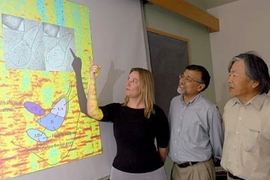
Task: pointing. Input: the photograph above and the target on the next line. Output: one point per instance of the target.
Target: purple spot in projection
(34, 108)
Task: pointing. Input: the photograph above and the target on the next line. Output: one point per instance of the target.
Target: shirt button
(237, 132)
(175, 142)
(178, 130)
(239, 118)
(233, 147)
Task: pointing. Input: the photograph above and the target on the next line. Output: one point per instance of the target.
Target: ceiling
(213, 3)
(194, 9)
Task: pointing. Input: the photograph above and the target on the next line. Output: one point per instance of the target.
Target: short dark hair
(205, 79)
(255, 68)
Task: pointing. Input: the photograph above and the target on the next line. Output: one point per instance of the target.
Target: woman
(137, 123)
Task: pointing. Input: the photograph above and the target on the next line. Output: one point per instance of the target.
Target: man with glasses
(196, 128)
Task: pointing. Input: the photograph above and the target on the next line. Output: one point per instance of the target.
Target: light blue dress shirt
(196, 130)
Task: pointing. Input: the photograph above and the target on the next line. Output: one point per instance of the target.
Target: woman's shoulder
(114, 104)
(158, 109)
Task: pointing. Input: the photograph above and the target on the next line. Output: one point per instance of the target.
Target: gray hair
(255, 68)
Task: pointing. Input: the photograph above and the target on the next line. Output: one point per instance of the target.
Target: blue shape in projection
(55, 118)
(37, 135)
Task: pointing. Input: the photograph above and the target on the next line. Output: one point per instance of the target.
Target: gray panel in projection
(36, 45)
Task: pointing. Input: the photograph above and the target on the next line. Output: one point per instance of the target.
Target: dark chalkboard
(169, 56)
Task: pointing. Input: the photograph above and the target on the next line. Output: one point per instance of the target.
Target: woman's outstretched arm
(93, 109)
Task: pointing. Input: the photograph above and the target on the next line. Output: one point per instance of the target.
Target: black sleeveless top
(135, 137)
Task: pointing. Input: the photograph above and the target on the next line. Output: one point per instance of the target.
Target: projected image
(36, 45)
(46, 135)
(43, 99)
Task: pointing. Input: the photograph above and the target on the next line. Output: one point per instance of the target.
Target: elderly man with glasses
(196, 128)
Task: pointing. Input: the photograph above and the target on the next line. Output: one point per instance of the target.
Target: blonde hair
(147, 90)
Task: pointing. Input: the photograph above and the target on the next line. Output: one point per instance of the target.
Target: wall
(161, 19)
(118, 44)
(199, 41)
(244, 26)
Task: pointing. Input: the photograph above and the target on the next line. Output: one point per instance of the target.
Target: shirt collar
(196, 98)
(257, 101)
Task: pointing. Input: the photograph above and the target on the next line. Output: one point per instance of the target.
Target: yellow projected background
(41, 123)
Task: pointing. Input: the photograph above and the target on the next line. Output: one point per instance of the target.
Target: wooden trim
(172, 36)
(167, 34)
(190, 11)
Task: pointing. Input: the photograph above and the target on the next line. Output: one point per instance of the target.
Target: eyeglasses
(188, 79)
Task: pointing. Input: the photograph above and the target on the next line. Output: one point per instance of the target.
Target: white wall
(244, 26)
(199, 41)
(118, 44)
